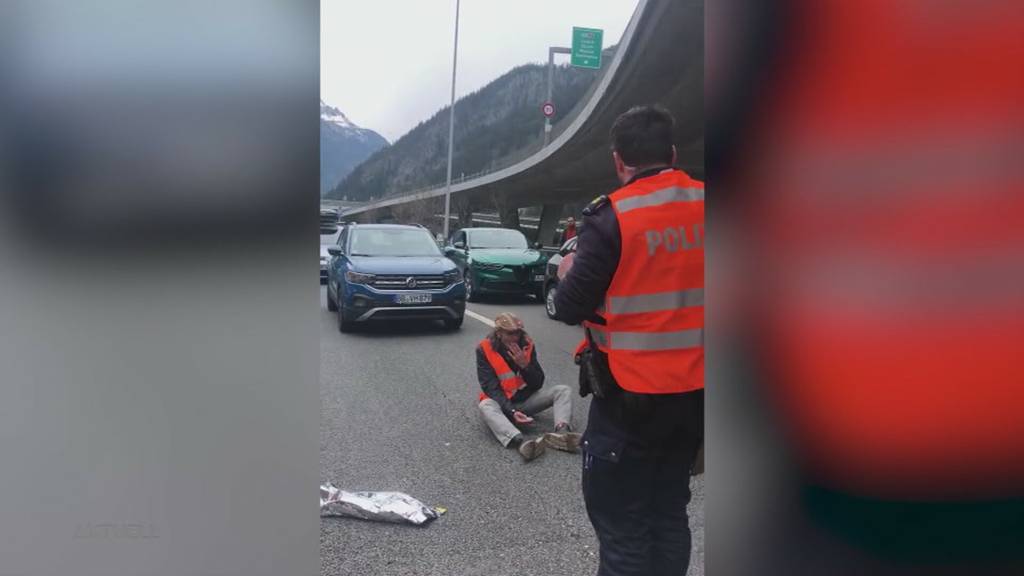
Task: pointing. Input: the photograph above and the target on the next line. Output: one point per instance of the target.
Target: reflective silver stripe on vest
(659, 197)
(657, 302)
(652, 341)
(506, 376)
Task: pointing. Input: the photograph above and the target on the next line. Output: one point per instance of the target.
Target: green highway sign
(586, 47)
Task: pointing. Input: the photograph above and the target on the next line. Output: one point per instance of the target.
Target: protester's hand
(519, 356)
(521, 418)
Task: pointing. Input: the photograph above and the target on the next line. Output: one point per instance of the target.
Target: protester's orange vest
(510, 381)
(654, 307)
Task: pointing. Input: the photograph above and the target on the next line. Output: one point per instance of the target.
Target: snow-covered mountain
(334, 116)
(343, 146)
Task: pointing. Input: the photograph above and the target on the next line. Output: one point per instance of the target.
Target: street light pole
(552, 50)
(451, 127)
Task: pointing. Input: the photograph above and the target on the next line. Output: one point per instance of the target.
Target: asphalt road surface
(398, 412)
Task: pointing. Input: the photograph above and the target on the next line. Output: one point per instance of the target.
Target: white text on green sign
(586, 47)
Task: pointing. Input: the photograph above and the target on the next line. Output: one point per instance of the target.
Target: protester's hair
(643, 136)
(496, 340)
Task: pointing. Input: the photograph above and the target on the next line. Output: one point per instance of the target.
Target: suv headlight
(452, 276)
(359, 278)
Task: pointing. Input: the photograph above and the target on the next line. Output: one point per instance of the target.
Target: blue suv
(392, 271)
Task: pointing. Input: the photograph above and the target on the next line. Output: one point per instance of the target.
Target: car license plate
(538, 278)
(412, 298)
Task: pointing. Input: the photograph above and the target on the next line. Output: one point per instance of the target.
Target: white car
(326, 239)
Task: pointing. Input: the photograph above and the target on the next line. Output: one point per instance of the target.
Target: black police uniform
(638, 448)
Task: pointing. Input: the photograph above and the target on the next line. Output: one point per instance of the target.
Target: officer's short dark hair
(643, 136)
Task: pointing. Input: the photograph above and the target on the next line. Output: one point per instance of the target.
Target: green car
(497, 261)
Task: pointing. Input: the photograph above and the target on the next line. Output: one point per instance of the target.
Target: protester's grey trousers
(504, 430)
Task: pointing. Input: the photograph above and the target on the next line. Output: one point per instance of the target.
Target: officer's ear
(620, 167)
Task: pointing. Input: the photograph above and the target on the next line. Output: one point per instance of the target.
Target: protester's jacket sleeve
(490, 384)
(597, 257)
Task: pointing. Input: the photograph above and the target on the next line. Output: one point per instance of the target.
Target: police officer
(637, 286)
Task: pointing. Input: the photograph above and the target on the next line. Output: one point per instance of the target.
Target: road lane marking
(480, 317)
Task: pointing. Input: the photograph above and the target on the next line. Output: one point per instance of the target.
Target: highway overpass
(660, 60)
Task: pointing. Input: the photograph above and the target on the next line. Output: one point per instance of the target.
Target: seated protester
(512, 382)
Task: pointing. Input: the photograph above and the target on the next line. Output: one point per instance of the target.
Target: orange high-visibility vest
(510, 381)
(654, 307)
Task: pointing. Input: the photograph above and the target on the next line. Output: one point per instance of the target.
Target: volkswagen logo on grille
(410, 282)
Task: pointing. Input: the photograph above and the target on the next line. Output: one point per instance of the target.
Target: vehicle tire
(453, 323)
(471, 295)
(344, 324)
(549, 300)
(332, 305)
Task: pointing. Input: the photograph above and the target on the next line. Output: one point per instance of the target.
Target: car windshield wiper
(358, 254)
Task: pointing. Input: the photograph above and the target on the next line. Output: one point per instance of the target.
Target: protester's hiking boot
(530, 449)
(564, 441)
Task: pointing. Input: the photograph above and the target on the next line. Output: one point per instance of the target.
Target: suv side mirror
(460, 245)
(334, 250)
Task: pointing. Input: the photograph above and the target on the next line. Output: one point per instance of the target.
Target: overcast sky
(387, 64)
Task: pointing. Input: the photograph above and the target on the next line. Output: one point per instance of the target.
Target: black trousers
(636, 499)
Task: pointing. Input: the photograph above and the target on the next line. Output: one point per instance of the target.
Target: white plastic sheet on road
(380, 506)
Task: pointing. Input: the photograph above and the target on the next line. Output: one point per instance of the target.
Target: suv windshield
(497, 239)
(393, 242)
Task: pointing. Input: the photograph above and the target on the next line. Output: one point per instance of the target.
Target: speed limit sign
(549, 109)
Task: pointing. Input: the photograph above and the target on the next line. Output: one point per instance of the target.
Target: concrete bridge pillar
(464, 212)
(509, 217)
(550, 214)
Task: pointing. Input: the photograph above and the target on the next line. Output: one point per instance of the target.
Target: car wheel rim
(550, 301)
